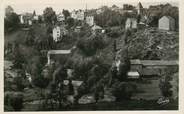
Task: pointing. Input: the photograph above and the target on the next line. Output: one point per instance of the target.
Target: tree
(8, 10)
(66, 13)
(49, 15)
(128, 7)
(16, 101)
(165, 85)
(123, 90)
(89, 46)
(70, 22)
(40, 19)
(109, 18)
(30, 38)
(11, 22)
(19, 81)
(18, 58)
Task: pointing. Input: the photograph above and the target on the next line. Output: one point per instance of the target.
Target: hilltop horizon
(59, 6)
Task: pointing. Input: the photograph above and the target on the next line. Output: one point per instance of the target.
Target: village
(110, 58)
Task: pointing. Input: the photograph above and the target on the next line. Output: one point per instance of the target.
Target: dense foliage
(11, 20)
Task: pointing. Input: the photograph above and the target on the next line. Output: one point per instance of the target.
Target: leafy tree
(18, 58)
(66, 13)
(8, 10)
(70, 22)
(123, 90)
(11, 22)
(16, 102)
(165, 85)
(40, 19)
(19, 82)
(128, 7)
(110, 18)
(91, 45)
(30, 38)
(41, 82)
(49, 15)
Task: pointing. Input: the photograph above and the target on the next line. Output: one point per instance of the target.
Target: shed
(166, 23)
(133, 75)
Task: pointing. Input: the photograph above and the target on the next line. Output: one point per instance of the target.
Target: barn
(166, 23)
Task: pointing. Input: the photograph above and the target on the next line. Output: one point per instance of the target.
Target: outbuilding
(166, 23)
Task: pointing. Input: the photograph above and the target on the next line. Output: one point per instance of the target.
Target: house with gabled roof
(166, 23)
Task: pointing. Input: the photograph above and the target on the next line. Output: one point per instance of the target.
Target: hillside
(152, 43)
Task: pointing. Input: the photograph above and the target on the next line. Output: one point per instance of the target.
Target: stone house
(166, 23)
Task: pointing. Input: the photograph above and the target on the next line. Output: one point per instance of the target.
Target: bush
(14, 102)
(165, 86)
(115, 33)
(123, 90)
(91, 45)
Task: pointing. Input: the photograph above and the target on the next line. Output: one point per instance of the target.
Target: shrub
(115, 33)
(123, 90)
(91, 45)
(16, 101)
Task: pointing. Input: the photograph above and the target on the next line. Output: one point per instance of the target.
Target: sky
(22, 6)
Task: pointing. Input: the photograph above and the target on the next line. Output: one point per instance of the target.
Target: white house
(60, 17)
(90, 20)
(131, 23)
(78, 15)
(166, 23)
(21, 19)
(28, 18)
(30, 22)
(56, 33)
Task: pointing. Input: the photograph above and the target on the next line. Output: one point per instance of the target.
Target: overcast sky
(21, 6)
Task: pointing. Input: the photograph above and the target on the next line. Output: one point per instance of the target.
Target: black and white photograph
(91, 55)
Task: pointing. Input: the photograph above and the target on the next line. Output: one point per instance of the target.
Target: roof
(78, 27)
(136, 61)
(139, 5)
(133, 73)
(169, 17)
(155, 62)
(131, 20)
(59, 51)
(96, 27)
(159, 62)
